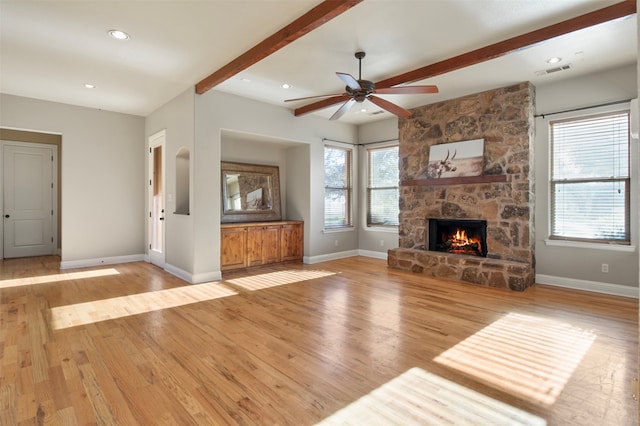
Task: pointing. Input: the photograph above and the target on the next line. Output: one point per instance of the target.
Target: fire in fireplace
(460, 236)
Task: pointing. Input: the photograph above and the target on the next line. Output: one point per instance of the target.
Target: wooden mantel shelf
(456, 180)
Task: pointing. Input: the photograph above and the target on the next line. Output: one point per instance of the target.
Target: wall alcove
(183, 171)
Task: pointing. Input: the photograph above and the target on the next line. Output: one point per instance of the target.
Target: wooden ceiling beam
(311, 20)
(514, 44)
(496, 50)
(321, 104)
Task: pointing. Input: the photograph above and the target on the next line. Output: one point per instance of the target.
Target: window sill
(336, 230)
(595, 246)
(388, 229)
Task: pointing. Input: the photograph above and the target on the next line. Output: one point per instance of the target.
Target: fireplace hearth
(458, 236)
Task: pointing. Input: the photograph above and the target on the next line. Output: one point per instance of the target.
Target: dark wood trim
(502, 48)
(321, 104)
(311, 20)
(456, 180)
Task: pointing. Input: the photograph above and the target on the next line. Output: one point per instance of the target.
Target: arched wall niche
(183, 171)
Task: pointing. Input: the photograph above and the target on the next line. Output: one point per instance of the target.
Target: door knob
(162, 218)
(7, 216)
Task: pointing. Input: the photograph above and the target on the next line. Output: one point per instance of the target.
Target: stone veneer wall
(504, 118)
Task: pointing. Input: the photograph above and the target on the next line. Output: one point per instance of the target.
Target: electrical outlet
(381, 243)
(605, 268)
(335, 243)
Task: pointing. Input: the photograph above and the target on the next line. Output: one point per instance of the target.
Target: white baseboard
(330, 256)
(173, 270)
(87, 263)
(375, 254)
(345, 254)
(206, 277)
(191, 278)
(593, 286)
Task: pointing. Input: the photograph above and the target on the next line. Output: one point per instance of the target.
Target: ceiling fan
(358, 90)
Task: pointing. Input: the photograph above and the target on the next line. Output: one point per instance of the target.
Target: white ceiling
(50, 49)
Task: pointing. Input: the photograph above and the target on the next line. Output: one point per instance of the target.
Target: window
(337, 187)
(382, 188)
(590, 178)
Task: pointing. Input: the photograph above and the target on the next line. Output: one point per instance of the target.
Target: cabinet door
(254, 246)
(233, 248)
(292, 241)
(271, 244)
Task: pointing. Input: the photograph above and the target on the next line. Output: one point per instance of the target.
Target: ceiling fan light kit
(357, 91)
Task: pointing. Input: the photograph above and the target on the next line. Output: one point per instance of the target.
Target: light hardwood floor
(341, 342)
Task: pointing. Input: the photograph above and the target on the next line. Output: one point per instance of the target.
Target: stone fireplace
(501, 197)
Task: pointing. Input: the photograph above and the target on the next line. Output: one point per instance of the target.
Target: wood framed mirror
(250, 193)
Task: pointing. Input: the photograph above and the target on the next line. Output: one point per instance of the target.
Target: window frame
(348, 189)
(369, 188)
(553, 182)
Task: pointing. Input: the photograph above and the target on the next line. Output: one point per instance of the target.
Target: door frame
(55, 189)
(156, 140)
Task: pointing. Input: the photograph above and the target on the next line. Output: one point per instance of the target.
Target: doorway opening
(157, 198)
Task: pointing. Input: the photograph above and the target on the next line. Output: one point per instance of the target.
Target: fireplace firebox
(459, 236)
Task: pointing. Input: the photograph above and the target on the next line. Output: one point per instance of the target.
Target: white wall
(104, 174)
(254, 149)
(102, 180)
(218, 112)
(580, 267)
(297, 204)
(177, 118)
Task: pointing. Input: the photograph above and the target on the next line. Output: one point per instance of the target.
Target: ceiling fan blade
(407, 90)
(314, 97)
(349, 80)
(391, 107)
(344, 108)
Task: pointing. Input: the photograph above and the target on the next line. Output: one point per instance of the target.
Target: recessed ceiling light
(363, 110)
(554, 60)
(245, 80)
(285, 86)
(89, 86)
(118, 34)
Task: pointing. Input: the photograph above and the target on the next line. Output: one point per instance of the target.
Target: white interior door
(157, 198)
(28, 188)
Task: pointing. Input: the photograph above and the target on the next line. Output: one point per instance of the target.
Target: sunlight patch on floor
(124, 306)
(527, 356)
(273, 279)
(418, 397)
(44, 279)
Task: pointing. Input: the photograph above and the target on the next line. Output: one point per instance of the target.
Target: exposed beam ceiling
(496, 50)
(311, 20)
(175, 44)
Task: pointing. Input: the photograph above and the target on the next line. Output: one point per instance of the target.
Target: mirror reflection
(250, 192)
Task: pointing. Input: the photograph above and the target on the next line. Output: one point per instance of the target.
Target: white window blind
(337, 187)
(382, 189)
(590, 178)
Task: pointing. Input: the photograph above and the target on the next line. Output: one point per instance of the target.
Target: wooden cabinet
(291, 241)
(233, 247)
(263, 245)
(257, 244)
